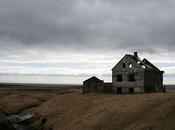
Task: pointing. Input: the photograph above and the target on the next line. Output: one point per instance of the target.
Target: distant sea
(38, 85)
(170, 87)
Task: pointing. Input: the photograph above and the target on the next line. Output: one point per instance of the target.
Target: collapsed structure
(129, 75)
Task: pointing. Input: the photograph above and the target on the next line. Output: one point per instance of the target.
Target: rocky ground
(68, 109)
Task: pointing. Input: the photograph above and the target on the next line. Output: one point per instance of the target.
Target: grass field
(68, 109)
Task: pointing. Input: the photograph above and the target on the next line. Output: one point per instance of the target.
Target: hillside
(70, 110)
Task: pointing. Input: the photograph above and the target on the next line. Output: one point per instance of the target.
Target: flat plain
(65, 108)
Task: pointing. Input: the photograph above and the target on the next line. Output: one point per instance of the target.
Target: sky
(67, 41)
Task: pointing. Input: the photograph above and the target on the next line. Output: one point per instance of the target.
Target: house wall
(136, 70)
(153, 81)
(107, 87)
(92, 86)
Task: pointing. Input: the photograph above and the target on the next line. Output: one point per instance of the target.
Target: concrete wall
(92, 87)
(135, 70)
(107, 87)
(153, 81)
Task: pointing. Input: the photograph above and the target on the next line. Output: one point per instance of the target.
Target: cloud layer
(83, 24)
(94, 33)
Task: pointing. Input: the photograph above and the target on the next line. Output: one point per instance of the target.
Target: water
(22, 127)
(170, 87)
(19, 121)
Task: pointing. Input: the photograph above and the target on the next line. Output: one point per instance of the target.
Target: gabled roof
(145, 64)
(136, 59)
(148, 65)
(93, 79)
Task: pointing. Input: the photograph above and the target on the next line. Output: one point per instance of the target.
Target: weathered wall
(92, 86)
(136, 70)
(153, 80)
(107, 87)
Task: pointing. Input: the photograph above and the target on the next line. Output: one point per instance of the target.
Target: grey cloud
(89, 24)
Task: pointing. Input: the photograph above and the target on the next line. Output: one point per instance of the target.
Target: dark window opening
(131, 90)
(130, 65)
(119, 90)
(119, 78)
(124, 65)
(131, 78)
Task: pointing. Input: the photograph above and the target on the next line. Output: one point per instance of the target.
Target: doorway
(131, 90)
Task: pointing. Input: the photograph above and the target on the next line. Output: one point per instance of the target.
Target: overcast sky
(67, 41)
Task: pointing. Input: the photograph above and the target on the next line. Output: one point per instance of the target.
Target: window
(119, 78)
(131, 78)
(131, 90)
(143, 66)
(130, 65)
(124, 65)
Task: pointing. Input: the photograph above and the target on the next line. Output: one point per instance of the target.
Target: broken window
(119, 78)
(143, 66)
(131, 78)
(130, 65)
(124, 65)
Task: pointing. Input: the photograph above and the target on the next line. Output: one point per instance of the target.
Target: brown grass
(70, 110)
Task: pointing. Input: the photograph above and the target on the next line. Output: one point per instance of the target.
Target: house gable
(128, 62)
(93, 79)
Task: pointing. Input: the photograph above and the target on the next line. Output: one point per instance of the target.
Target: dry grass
(70, 110)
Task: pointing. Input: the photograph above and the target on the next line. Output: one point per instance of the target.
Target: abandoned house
(92, 84)
(131, 74)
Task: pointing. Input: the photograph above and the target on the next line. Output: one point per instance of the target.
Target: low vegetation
(69, 109)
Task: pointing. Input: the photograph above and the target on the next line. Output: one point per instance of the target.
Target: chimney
(136, 54)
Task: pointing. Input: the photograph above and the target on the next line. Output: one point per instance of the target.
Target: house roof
(136, 59)
(145, 64)
(93, 79)
(148, 65)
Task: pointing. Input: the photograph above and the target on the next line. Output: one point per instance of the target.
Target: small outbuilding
(92, 84)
